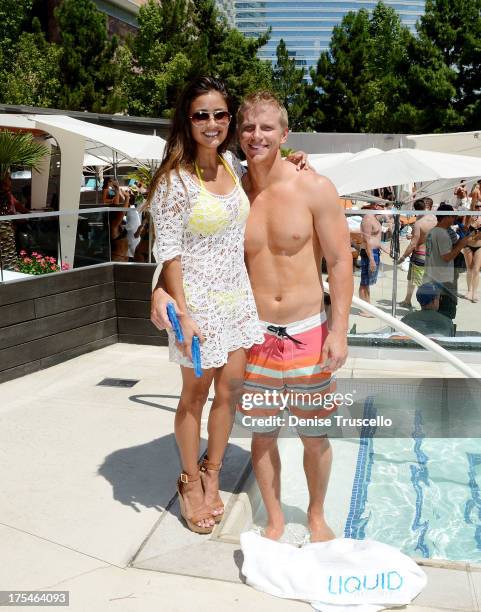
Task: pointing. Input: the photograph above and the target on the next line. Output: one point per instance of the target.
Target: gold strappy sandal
(196, 515)
(205, 465)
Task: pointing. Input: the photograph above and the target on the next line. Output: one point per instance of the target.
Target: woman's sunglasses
(222, 117)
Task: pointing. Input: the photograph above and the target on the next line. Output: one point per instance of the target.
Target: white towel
(339, 575)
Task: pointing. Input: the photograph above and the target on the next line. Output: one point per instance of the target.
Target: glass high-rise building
(227, 8)
(306, 25)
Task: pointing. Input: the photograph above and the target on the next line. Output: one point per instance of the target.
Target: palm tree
(16, 149)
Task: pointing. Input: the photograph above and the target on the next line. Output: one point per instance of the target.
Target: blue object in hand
(196, 356)
(174, 321)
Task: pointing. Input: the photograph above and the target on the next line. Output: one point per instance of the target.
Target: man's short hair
(444, 207)
(419, 204)
(426, 293)
(259, 98)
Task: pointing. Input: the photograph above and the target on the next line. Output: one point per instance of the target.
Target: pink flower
(23, 252)
(28, 260)
(34, 253)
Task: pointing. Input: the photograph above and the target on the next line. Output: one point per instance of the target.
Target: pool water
(421, 495)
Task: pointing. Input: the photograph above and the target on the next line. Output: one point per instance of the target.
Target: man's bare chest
(282, 227)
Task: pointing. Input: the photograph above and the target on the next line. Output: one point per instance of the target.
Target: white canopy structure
(373, 168)
(75, 139)
(462, 143)
(102, 141)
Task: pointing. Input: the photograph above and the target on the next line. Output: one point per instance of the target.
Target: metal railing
(88, 234)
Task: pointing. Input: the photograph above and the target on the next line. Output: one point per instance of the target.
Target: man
(475, 194)
(371, 231)
(428, 320)
(461, 193)
(295, 221)
(416, 249)
(440, 254)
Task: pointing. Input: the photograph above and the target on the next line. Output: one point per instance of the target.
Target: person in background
(440, 254)
(371, 230)
(472, 252)
(416, 250)
(112, 193)
(429, 320)
(475, 194)
(461, 193)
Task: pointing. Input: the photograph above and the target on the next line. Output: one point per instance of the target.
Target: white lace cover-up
(207, 231)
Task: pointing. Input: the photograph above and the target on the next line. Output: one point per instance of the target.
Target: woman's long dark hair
(181, 147)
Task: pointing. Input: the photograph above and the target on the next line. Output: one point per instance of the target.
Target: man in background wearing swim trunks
(371, 230)
(416, 249)
(295, 220)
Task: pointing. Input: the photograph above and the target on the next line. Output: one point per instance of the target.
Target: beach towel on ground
(339, 575)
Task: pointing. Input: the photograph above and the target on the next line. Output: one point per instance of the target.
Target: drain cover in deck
(117, 382)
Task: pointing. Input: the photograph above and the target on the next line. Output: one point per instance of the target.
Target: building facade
(227, 8)
(306, 25)
(121, 14)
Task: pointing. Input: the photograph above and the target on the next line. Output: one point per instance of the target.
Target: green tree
(386, 69)
(423, 100)
(34, 78)
(378, 77)
(162, 61)
(239, 67)
(180, 39)
(339, 96)
(15, 16)
(453, 27)
(88, 60)
(289, 84)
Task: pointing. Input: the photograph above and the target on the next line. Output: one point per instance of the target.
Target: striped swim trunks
(284, 373)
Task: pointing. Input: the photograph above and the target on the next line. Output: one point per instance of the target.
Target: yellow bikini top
(209, 214)
(226, 166)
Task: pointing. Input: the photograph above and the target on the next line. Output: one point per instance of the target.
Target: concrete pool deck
(88, 499)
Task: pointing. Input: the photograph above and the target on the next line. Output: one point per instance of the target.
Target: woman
(472, 252)
(113, 195)
(199, 211)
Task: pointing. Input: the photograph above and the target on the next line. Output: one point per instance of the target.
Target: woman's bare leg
(228, 382)
(475, 274)
(187, 433)
(468, 258)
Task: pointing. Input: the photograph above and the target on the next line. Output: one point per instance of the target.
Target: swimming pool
(419, 494)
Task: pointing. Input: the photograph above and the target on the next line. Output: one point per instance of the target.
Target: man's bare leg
(407, 302)
(317, 466)
(266, 462)
(365, 295)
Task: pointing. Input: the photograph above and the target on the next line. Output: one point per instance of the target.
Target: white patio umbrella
(398, 167)
(322, 161)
